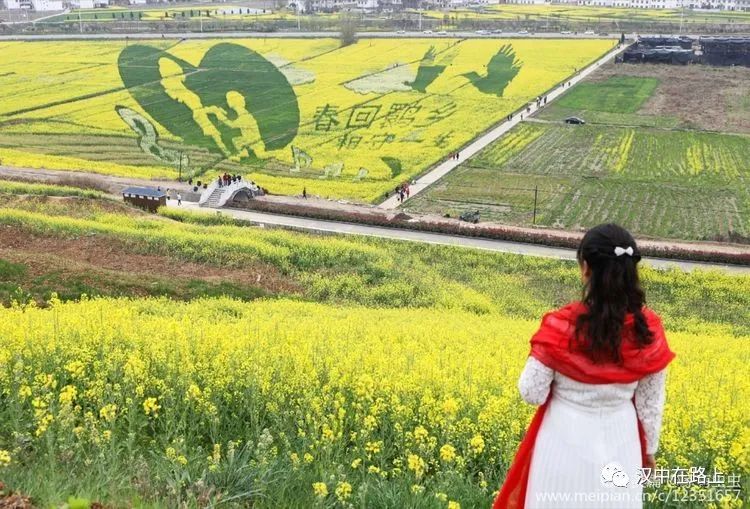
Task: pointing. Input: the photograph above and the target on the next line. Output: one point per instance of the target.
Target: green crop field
(656, 174)
(618, 94)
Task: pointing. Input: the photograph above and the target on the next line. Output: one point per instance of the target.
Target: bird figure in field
(428, 71)
(501, 70)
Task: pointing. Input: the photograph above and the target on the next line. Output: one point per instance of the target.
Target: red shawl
(551, 346)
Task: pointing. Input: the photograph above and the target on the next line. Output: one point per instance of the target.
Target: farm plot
(286, 113)
(618, 94)
(690, 97)
(648, 171)
(676, 184)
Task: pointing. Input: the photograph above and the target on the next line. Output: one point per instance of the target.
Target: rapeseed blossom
(343, 491)
(108, 412)
(477, 444)
(320, 489)
(447, 453)
(151, 407)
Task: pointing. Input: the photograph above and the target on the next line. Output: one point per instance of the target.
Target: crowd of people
(227, 179)
(402, 191)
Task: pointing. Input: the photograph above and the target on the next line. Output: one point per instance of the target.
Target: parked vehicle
(523, 32)
(589, 32)
(470, 216)
(575, 121)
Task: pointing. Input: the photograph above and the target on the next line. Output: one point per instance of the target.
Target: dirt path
(94, 254)
(108, 183)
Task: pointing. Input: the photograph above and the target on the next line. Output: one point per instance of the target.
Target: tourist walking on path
(179, 199)
(597, 369)
(304, 193)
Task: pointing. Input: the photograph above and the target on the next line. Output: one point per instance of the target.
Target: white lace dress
(587, 453)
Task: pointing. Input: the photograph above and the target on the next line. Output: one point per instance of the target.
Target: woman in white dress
(597, 369)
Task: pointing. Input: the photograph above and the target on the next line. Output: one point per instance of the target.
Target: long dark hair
(613, 290)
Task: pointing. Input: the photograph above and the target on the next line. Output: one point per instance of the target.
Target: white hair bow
(619, 251)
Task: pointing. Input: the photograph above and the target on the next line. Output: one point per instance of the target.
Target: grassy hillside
(338, 372)
(332, 268)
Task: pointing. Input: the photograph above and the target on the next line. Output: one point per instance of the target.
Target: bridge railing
(228, 191)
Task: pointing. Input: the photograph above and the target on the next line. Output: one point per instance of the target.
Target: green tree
(348, 29)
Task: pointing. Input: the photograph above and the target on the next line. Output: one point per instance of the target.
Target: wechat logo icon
(614, 475)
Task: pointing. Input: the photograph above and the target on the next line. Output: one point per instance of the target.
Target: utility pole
(80, 19)
(536, 194)
(682, 13)
(179, 179)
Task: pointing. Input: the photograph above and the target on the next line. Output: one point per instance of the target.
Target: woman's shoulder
(572, 310)
(652, 317)
(563, 318)
(569, 311)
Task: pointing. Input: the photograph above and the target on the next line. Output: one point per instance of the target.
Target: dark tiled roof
(144, 191)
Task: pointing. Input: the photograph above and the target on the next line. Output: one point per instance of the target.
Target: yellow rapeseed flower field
(344, 122)
(305, 404)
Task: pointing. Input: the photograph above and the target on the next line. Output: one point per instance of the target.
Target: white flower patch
(396, 78)
(294, 75)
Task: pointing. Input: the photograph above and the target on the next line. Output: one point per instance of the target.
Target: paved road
(493, 135)
(318, 225)
(34, 20)
(294, 35)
